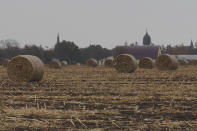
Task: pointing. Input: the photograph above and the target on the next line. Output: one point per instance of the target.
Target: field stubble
(84, 98)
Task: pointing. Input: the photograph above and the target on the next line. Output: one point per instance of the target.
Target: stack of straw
(64, 63)
(109, 62)
(92, 62)
(125, 63)
(25, 68)
(166, 62)
(55, 64)
(146, 63)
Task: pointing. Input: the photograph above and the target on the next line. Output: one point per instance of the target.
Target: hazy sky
(105, 22)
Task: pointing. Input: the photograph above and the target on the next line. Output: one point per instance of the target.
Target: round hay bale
(109, 63)
(55, 64)
(25, 68)
(183, 62)
(166, 62)
(5, 62)
(92, 62)
(125, 63)
(64, 63)
(146, 63)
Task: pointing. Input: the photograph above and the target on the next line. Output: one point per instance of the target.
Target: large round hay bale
(55, 64)
(92, 62)
(25, 68)
(5, 62)
(146, 63)
(64, 63)
(183, 62)
(109, 62)
(125, 63)
(166, 62)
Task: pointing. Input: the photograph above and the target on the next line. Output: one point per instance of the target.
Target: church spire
(58, 38)
(191, 44)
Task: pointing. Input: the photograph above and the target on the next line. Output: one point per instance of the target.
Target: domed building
(147, 39)
(139, 51)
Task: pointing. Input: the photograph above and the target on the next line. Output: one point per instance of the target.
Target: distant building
(182, 50)
(138, 51)
(126, 43)
(147, 39)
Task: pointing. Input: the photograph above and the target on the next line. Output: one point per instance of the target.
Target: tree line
(180, 49)
(64, 50)
(70, 52)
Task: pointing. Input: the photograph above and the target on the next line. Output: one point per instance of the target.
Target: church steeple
(191, 45)
(58, 38)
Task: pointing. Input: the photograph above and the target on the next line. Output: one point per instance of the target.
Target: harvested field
(82, 98)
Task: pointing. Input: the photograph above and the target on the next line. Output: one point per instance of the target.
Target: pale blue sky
(105, 22)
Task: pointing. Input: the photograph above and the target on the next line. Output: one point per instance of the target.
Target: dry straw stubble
(92, 62)
(25, 68)
(125, 63)
(166, 62)
(146, 63)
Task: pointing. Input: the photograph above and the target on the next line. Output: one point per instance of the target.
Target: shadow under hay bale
(55, 64)
(25, 68)
(5, 62)
(92, 62)
(109, 62)
(166, 62)
(183, 62)
(125, 63)
(64, 63)
(146, 63)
